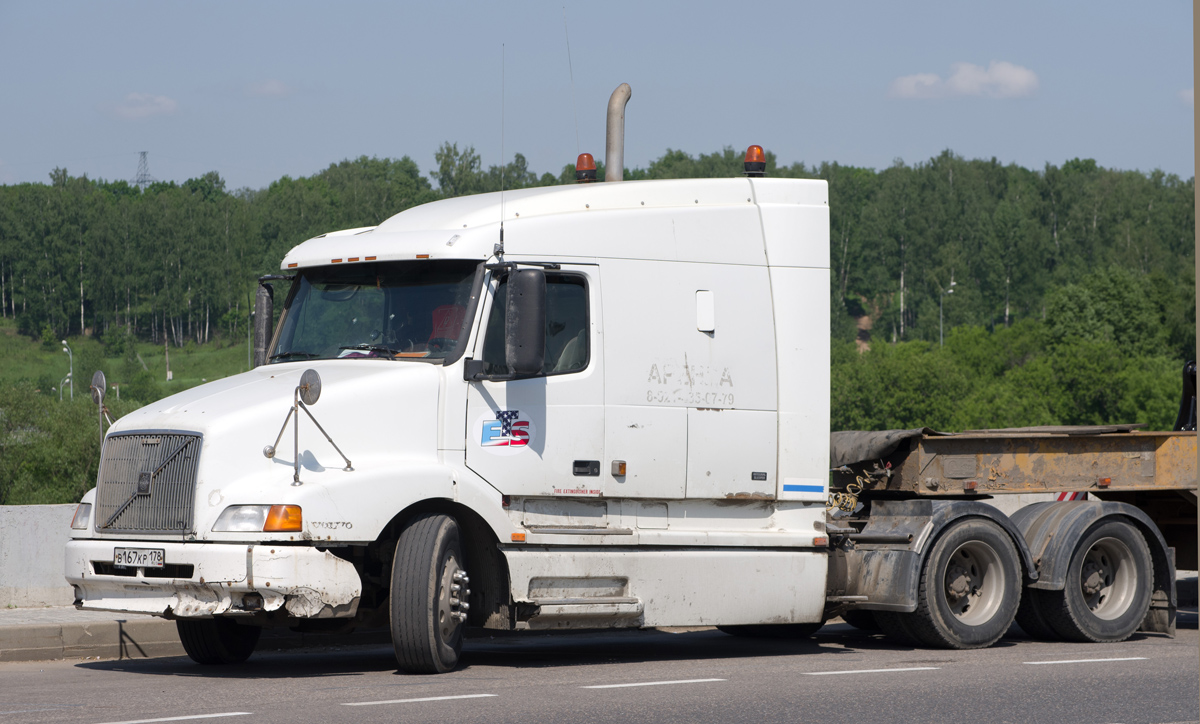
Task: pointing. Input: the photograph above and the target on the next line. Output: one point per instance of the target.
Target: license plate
(138, 557)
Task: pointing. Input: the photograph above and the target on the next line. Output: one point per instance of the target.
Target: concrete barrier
(31, 555)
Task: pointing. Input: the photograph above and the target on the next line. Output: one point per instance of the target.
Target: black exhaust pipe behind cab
(1186, 420)
(264, 315)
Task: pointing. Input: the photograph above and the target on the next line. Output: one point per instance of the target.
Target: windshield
(392, 310)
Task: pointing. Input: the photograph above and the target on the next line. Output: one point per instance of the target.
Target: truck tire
(428, 603)
(773, 630)
(1108, 586)
(970, 587)
(217, 641)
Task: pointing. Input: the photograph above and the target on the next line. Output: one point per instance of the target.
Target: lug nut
(455, 588)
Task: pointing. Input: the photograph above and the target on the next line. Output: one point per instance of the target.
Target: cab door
(543, 435)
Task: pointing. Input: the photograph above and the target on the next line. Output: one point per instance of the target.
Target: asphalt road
(842, 675)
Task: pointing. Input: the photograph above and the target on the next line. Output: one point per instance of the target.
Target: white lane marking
(870, 671)
(423, 698)
(183, 718)
(650, 683)
(1084, 661)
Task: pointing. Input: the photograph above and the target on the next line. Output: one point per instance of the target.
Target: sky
(259, 90)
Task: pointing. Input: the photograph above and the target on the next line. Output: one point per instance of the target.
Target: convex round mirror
(99, 385)
(310, 387)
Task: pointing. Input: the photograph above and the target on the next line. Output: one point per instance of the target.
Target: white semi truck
(600, 405)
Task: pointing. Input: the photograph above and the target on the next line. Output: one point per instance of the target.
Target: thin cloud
(1000, 79)
(143, 105)
(1186, 97)
(271, 88)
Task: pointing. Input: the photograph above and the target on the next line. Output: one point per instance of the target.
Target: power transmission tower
(143, 178)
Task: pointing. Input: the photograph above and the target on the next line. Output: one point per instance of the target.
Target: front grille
(147, 482)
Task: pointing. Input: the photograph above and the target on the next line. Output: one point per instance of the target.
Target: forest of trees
(180, 260)
(1072, 302)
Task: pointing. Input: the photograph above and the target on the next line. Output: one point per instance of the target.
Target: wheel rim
(974, 583)
(1107, 578)
(452, 598)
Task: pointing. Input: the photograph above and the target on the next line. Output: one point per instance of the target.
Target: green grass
(26, 360)
(50, 449)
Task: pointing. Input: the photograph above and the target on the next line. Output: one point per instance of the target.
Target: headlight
(83, 514)
(259, 518)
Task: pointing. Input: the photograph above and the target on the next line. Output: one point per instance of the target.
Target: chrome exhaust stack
(614, 147)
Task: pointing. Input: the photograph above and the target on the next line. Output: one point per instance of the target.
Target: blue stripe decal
(804, 488)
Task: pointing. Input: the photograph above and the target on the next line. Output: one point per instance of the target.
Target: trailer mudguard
(883, 562)
(1052, 529)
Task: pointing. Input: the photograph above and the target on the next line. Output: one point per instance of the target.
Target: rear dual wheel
(1107, 590)
(969, 590)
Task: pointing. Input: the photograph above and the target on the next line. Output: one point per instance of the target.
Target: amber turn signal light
(518, 537)
(756, 161)
(283, 519)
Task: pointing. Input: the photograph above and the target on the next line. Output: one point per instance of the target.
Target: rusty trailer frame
(998, 462)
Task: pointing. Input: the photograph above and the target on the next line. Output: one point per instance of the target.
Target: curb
(121, 639)
(144, 638)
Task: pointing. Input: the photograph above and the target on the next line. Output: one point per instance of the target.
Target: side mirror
(525, 322)
(99, 387)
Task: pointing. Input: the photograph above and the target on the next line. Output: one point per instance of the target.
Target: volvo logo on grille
(144, 483)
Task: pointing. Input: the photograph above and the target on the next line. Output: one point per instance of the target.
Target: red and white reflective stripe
(1073, 496)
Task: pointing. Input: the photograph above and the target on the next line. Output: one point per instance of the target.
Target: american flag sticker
(503, 432)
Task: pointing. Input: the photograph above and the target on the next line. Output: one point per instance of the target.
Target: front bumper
(211, 579)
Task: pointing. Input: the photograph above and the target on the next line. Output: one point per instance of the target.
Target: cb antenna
(571, 70)
(499, 250)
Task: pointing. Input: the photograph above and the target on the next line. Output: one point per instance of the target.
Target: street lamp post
(71, 374)
(64, 381)
(941, 306)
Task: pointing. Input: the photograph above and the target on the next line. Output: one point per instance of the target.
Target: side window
(566, 327)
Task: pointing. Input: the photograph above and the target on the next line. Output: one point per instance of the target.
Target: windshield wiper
(391, 353)
(305, 355)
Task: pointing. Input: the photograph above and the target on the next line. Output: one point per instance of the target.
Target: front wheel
(429, 595)
(1108, 586)
(970, 587)
(216, 641)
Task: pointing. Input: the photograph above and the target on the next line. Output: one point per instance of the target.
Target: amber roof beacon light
(756, 162)
(585, 169)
